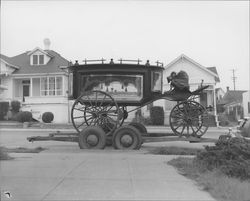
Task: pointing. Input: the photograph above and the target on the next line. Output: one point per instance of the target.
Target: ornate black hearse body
(102, 93)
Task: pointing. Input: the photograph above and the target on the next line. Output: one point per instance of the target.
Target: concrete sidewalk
(95, 175)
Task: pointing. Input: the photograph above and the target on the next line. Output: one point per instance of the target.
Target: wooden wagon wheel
(189, 118)
(95, 108)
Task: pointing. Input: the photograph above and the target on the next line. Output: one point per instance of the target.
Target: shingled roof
(23, 61)
(232, 97)
(8, 60)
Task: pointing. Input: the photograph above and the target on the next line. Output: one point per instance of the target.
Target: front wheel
(189, 118)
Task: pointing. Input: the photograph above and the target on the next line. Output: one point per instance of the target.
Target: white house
(197, 74)
(37, 79)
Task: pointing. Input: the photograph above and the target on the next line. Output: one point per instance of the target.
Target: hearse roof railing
(112, 61)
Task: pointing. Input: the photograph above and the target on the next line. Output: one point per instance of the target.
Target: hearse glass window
(156, 80)
(120, 87)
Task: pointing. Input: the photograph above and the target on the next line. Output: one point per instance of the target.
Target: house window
(41, 59)
(59, 86)
(35, 59)
(51, 86)
(38, 59)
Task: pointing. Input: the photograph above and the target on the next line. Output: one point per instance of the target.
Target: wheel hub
(126, 140)
(92, 140)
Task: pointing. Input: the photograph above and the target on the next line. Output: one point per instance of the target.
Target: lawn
(220, 186)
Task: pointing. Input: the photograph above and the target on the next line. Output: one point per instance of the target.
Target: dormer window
(38, 59)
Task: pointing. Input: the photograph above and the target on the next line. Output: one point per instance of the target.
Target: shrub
(223, 119)
(4, 107)
(143, 120)
(47, 117)
(157, 115)
(15, 105)
(231, 156)
(24, 116)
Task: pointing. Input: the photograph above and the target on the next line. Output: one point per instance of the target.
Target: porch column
(215, 107)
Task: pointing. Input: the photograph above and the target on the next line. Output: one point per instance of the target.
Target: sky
(212, 33)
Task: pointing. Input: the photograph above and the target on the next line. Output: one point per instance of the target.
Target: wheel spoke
(78, 117)
(187, 129)
(102, 100)
(193, 129)
(79, 109)
(81, 124)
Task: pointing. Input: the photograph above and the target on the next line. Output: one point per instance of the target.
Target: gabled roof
(210, 70)
(39, 49)
(53, 66)
(214, 70)
(232, 97)
(8, 61)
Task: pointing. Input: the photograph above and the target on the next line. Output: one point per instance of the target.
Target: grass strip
(4, 155)
(220, 186)
(22, 150)
(174, 151)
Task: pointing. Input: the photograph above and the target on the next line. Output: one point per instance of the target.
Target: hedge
(157, 115)
(15, 105)
(24, 116)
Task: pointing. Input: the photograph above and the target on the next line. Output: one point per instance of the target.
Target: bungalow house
(197, 74)
(39, 80)
(232, 102)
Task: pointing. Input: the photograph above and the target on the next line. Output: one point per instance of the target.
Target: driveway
(95, 175)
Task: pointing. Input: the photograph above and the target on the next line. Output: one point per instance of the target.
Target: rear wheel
(92, 137)
(127, 137)
(95, 108)
(189, 118)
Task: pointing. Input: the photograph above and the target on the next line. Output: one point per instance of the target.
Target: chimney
(227, 88)
(46, 42)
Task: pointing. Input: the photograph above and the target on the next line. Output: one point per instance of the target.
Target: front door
(26, 90)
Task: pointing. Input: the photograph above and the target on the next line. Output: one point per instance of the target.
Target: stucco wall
(60, 111)
(7, 94)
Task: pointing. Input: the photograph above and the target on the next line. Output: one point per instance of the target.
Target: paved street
(64, 172)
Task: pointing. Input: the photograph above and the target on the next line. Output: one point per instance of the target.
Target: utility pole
(234, 78)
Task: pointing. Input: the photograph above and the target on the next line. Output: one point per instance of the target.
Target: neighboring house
(6, 68)
(219, 94)
(197, 74)
(39, 80)
(246, 104)
(232, 102)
